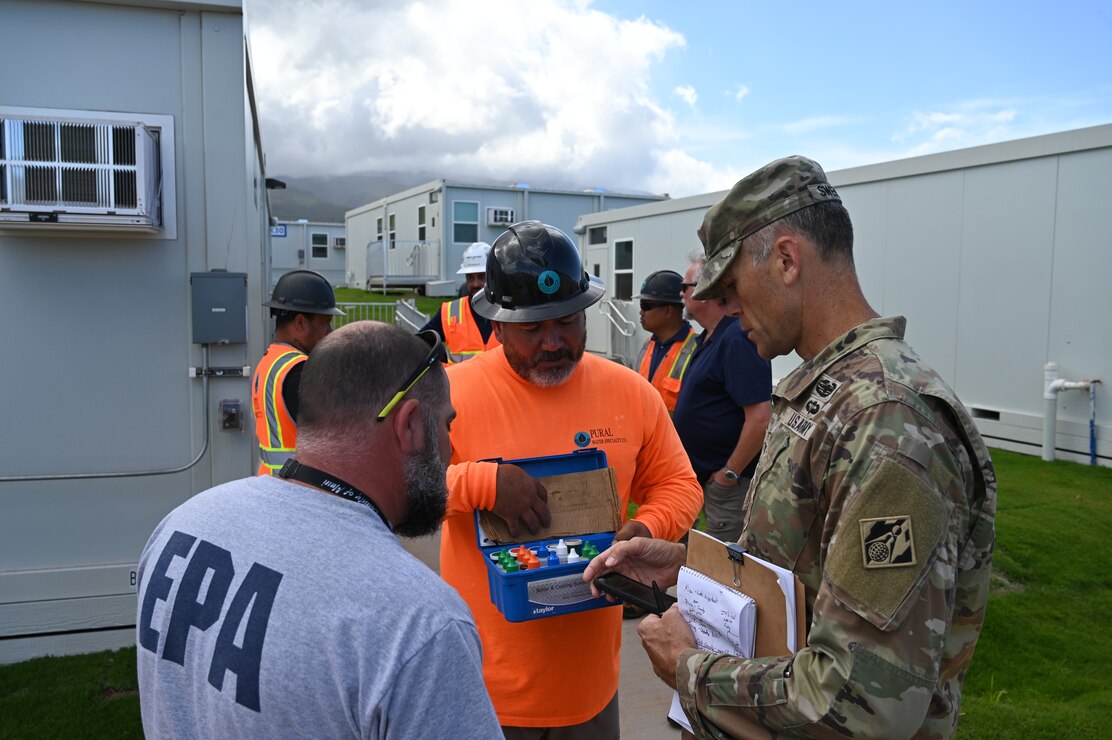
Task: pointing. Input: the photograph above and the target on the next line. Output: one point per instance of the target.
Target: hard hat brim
(657, 299)
(540, 312)
(300, 309)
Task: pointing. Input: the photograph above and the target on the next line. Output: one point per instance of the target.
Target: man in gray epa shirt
(285, 606)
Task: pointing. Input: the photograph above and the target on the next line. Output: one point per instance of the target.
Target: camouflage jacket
(875, 488)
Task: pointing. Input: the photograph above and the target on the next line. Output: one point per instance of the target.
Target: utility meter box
(219, 307)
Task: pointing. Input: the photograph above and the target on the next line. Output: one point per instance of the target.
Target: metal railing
(626, 327)
(404, 313)
(384, 312)
(408, 317)
(393, 261)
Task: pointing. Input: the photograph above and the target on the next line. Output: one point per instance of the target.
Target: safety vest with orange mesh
(462, 338)
(275, 428)
(669, 373)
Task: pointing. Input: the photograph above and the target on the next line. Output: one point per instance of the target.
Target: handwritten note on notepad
(723, 620)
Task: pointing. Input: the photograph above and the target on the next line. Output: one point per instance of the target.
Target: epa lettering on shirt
(248, 612)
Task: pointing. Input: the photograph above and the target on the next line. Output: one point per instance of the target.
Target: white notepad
(723, 619)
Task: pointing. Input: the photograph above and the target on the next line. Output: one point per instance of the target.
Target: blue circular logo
(549, 282)
(582, 439)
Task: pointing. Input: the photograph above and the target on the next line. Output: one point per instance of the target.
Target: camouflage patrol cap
(776, 190)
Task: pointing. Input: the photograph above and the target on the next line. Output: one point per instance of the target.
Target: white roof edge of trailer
(1046, 145)
(426, 187)
(222, 6)
(1062, 142)
(704, 200)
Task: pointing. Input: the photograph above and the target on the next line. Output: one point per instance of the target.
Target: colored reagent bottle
(562, 551)
(573, 556)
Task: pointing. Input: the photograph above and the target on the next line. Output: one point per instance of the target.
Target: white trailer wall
(998, 256)
(98, 340)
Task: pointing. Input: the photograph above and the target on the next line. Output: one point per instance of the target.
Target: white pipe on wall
(1052, 386)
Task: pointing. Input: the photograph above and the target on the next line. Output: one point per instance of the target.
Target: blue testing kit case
(552, 590)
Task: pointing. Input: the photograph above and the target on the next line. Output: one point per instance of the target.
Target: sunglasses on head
(435, 355)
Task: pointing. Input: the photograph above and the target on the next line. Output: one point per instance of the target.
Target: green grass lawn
(356, 295)
(1043, 667)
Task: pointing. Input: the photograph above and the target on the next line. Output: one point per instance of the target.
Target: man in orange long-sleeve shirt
(536, 395)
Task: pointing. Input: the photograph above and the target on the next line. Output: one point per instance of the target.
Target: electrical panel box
(219, 307)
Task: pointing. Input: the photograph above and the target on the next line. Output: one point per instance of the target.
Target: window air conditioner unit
(500, 216)
(79, 174)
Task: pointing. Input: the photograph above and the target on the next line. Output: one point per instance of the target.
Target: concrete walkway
(643, 697)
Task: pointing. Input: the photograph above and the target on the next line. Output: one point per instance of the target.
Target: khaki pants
(723, 506)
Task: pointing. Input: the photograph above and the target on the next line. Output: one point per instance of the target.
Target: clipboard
(726, 564)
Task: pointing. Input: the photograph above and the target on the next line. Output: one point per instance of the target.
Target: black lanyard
(293, 470)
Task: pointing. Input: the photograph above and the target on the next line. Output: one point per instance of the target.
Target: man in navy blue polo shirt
(722, 410)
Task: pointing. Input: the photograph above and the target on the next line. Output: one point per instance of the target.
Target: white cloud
(687, 94)
(970, 123)
(739, 93)
(808, 125)
(679, 174)
(493, 88)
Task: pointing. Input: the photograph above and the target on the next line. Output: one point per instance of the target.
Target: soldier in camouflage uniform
(873, 486)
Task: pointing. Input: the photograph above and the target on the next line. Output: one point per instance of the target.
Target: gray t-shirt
(268, 609)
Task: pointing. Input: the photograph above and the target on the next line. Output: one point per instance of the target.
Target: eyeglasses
(434, 357)
(650, 305)
(687, 286)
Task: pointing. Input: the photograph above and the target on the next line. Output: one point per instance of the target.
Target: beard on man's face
(425, 485)
(548, 377)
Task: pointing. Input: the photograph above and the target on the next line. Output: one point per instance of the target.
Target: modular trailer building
(416, 238)
(133, 227)
(999, 256)
(308, 245)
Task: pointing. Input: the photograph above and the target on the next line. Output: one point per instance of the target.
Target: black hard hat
(664, 286)
(534, 273)
(304, 291)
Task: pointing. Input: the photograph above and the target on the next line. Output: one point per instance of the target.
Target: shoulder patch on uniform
(825, 387)
(875, 566)
(887, 542)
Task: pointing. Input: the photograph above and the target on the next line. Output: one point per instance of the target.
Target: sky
(662, 96)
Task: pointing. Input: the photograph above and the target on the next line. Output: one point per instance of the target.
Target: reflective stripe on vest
(687, 349)
(680, 352)
(676, 359)
(274, 449)
(640, 363)
(462, 338)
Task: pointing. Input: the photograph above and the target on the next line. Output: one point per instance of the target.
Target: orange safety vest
(275, 428)
(462, 338)
(669, 373)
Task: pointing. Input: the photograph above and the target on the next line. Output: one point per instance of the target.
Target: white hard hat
(474, 259)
